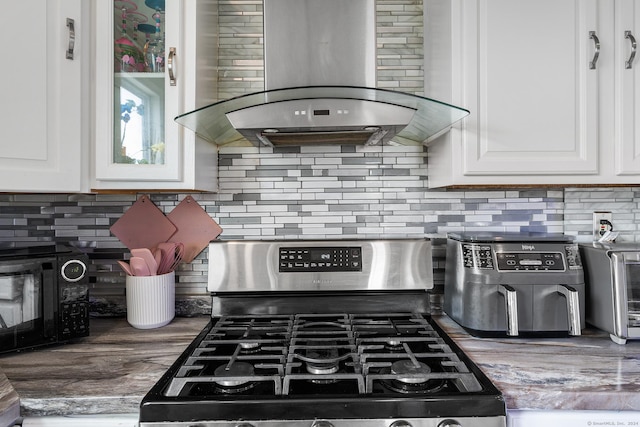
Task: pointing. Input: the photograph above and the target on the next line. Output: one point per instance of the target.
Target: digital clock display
(320, 255)
(73, 270)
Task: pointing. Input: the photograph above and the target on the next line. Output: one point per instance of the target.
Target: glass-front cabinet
(150, 62)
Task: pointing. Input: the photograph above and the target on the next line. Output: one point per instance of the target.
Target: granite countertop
(9, 402)
(106, 373)
(577, 373)
(110, 371)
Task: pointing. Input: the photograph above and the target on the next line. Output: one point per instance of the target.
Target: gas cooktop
(305, 366)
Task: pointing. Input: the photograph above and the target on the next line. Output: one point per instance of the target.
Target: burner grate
(322, 354)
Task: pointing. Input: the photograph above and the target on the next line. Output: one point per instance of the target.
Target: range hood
(320, 78)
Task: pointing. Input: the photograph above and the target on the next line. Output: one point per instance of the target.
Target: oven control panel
(297, 259)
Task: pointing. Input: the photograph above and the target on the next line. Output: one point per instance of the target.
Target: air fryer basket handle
(573, 307)
(511, 308)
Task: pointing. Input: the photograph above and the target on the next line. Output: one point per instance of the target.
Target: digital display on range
(320, 255)
(320, 259)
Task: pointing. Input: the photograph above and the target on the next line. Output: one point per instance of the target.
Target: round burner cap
(228, 375)
(322, 369)
(249, 345)
(408, 367)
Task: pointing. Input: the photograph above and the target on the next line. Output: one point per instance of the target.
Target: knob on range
(445, 423)
(399, 423)
(237, 425)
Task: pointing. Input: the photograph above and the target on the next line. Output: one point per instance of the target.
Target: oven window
(633, 292)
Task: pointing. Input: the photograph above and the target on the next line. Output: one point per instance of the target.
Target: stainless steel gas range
(322, 334)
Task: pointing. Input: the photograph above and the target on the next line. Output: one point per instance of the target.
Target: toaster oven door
(626, 293)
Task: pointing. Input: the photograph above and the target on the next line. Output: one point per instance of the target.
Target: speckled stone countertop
(9, 402)
(588, 372)
(110, 371)
(106, 373)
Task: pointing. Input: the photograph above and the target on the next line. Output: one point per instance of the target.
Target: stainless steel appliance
(513, 284)
(330, 96)
(43, 296)
(322, 334)
(612, 274)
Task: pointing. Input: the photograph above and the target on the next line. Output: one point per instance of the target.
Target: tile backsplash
(308, 193)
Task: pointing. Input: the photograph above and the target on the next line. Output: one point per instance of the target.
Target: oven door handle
(573, 307)
(49, 300)
(620, 309)
(510, 308)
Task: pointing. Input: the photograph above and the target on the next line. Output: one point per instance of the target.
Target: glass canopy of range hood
(419, 119)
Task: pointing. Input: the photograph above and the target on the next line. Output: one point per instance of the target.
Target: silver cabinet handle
(72, 38)
(596, 53)
(511, 308)
(172, 77)
(628, 35)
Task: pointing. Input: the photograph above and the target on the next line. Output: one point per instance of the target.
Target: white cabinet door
(138, 145)
(41, 111)
(627, 87)
(522, 68)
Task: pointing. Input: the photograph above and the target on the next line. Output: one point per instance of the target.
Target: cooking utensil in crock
(171, 256)
(178, 256)
(126, 267)
(139, 266)
(167, 251)
(157, 256)
(148, 257)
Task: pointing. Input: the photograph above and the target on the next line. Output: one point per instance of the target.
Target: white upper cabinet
(153, 61)
(44, 101)
(627, 88)
(538, 78)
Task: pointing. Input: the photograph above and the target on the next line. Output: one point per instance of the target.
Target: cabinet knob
(449, 423)
(401, 423)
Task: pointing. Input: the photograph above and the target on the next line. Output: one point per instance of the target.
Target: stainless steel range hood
(320, 77)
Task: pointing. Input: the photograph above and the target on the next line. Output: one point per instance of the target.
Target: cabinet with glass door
(150, 62)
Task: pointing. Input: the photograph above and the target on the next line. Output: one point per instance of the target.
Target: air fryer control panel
(487, 257)
(530, 261)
